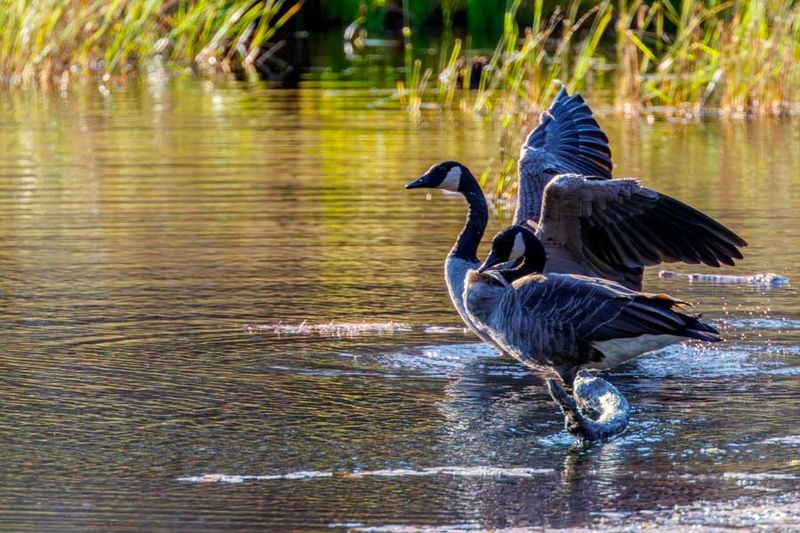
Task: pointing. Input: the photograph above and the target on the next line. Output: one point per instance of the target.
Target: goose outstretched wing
(614, 228)
(568, 139)
(569, 131)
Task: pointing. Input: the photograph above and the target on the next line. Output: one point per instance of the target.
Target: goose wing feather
(614, 228)
(569, 131)
(567, 139)
(560, 317)
(532, 321)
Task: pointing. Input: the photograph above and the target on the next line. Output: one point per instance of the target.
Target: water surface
(152, 239)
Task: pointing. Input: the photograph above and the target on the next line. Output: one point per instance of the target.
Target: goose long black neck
(466, 246)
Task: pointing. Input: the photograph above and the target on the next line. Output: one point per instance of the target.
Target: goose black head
(447, 175)
(515, 242)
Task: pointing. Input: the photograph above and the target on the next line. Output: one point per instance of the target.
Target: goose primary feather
(568, 140)
(613, 228)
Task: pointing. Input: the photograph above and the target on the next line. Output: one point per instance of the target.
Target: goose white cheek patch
(519, 247)
(452, 180)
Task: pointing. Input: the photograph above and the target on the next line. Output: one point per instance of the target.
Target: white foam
(766, 279)
(458, 471)
(407, 528)
(441, 360)
(442, 330)
(757, 477)
(235, 478)
(698, 361)
(763, 323)
(792, 440)
(786, 371)
(331, 329)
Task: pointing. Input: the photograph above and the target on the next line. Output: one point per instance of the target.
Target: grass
(729, 56)
(732, 58)
(48, 40)
(736, 58)
(518, 78)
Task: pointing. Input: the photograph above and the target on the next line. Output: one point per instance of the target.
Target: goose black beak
(419, 183)
(492, 260)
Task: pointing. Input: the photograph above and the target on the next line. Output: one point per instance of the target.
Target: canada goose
(589, 223)
(566, 322)
(455, 177)
(592, 224)
(592, 227)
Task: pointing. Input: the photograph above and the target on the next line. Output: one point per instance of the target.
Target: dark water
(145, 237)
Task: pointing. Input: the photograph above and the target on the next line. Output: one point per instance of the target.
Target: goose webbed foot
(591, 394)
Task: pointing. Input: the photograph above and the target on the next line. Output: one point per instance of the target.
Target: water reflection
(141, 233)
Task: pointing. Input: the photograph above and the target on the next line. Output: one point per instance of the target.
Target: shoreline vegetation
(50, 41)
(736, 58)
(729, 59)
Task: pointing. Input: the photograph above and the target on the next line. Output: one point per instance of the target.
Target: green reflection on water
(139, 234)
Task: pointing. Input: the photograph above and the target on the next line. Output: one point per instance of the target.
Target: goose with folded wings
(564, 323)
(568, 322)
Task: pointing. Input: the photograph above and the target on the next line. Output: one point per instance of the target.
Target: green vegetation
(737, 59)
(48, 39)
(519, 78)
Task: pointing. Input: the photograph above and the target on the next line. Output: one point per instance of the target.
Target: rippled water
(151, 242)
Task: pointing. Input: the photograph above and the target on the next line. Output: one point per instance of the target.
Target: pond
(151, 240)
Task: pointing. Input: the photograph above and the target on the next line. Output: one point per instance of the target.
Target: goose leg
(591, 394)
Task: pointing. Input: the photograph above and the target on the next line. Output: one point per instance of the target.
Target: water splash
(442, 330)
(457, 471)
(700, 361)
(758, 476)
(767, 323)
(439, 360)
(697, 361)
(235, 478)
(791, 440)
(331, 329)
(768, 279)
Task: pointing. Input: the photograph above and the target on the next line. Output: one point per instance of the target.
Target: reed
(48, 39)
(736, 59)
(522, 74)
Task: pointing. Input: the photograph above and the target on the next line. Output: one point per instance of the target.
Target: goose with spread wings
(597, 226)
(589, 223)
